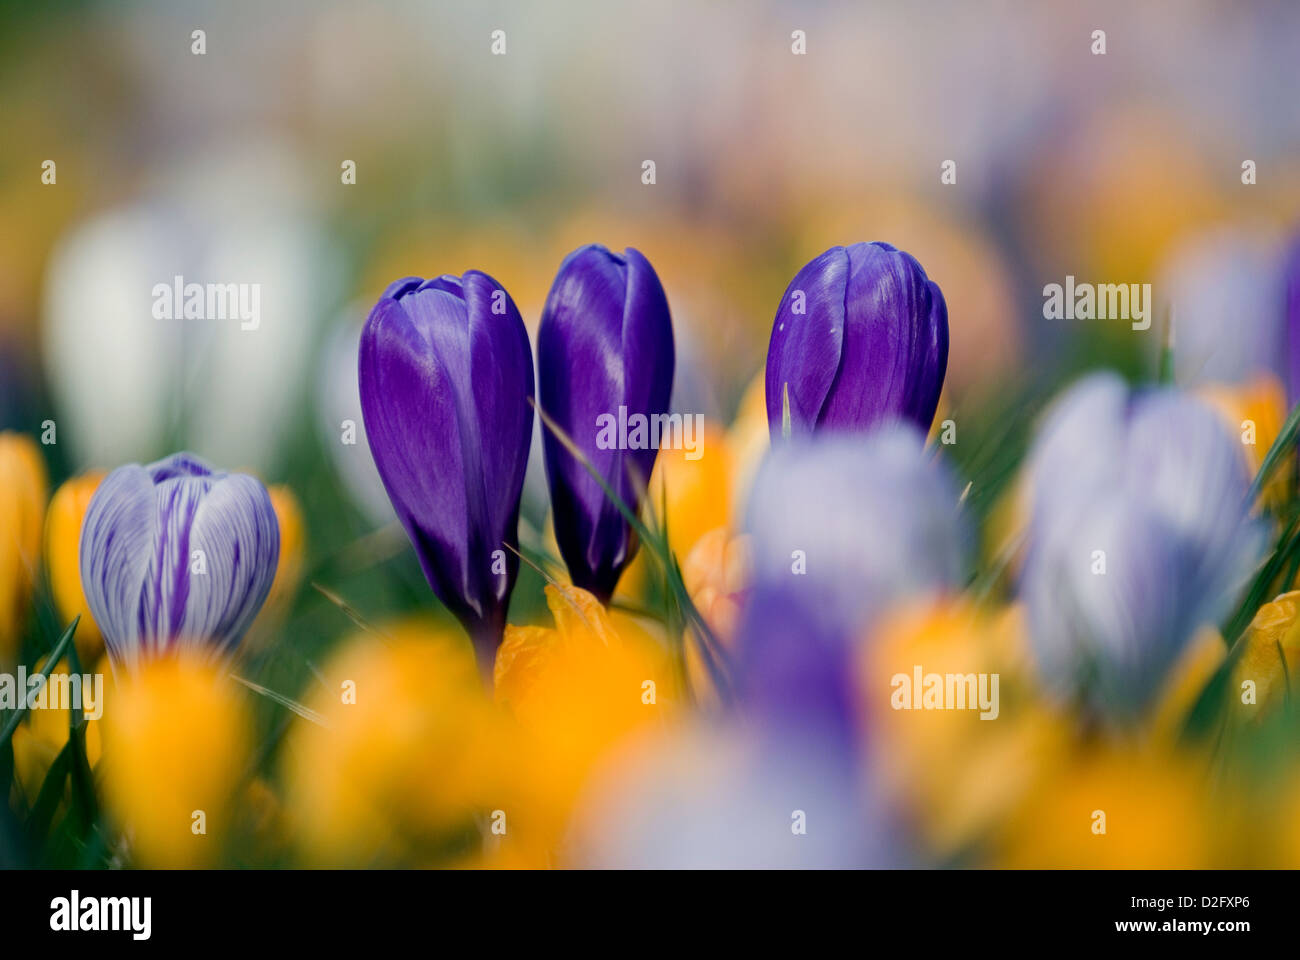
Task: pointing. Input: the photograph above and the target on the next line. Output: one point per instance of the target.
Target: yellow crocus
(716, 576)
(401, 753)
(748, 440)
(1254, 412)
(696, 488)
(1114, 807)
(176, 747)
(957, 771)
(293, 542)
(288, 569)
(63, 521)
(22, 513)
(577, 691)
(1262, 675)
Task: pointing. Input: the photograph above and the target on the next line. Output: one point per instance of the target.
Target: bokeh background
(225, 167)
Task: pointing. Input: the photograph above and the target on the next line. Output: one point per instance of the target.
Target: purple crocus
(176, 553)
(446, 375)
(1140, 534)
(605, 355)
(861, 336)
(1291, 297)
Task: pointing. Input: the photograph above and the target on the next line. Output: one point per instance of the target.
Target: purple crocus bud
(1140, 534)
(176, 553)
(446, 375)
(605, 359)
(861, 336)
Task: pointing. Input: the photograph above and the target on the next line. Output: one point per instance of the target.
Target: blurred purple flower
(861, 336)
(841, 528)
(717, 797)
(176, 553)
(853, 523)
(795, 674)
(605, 343)
(1291, 292)
(1228, 325)
(446, 374)
(1140, 534)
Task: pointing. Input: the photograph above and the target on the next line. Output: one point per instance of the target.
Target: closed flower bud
(605, 356)
(176, 554)
(446, 376)
(861, 336)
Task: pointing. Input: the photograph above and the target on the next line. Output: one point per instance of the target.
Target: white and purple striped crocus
(604, 350)
(446, 377)
(861, 336)
(841, 528)
(176, 554)
(1140, 533)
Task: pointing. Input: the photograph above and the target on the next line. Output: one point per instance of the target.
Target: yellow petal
(177, 742)
(1254, 413)
(63, 522)
(1261, 676)
(22, 515)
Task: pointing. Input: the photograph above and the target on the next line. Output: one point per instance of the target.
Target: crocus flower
(604, 350)
(124, 377)
(855, 523)
(861, 336)
(176, 554)
(720, 797)
(22, 512)
(179, 735)
(355, 802)
(1139, 535)
(841, 528)
(1223, 286)
(288, 571)
(63, 520)
(446, 376)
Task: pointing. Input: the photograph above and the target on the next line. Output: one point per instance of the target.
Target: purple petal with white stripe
(177, 553)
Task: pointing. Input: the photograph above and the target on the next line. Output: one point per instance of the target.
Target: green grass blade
(60, 648)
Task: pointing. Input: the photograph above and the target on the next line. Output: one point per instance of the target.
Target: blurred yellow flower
(1187, 679)
(1114, 807)
(288, 569)
(698, 498)
(1004, 530)
(577, 690)
(1254, 412)
(956, 771)
(716, 575)
(176, 745)
(63, 559)
(44, 732)
(22, 512)
(748, 440)
(1269, 658)
(404, 752)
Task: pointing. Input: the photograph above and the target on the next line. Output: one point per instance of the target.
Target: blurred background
(228, 167)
